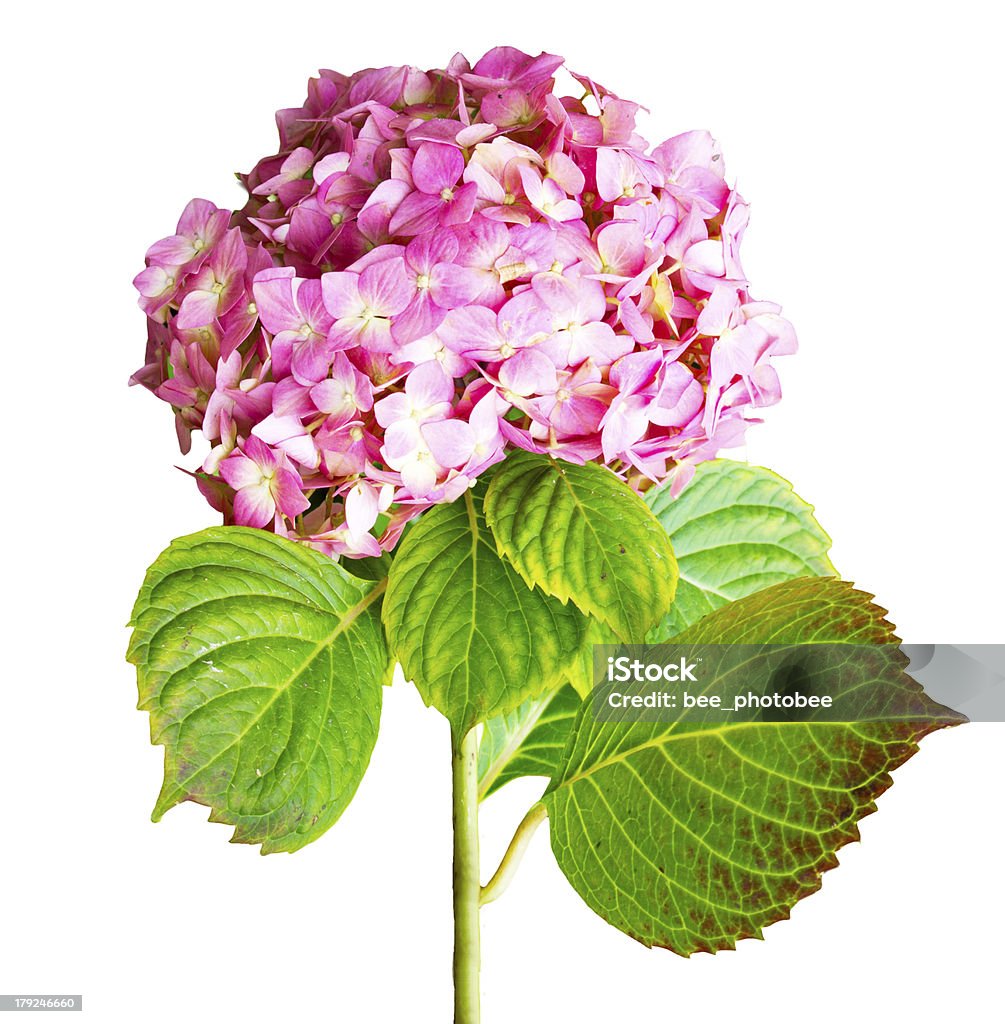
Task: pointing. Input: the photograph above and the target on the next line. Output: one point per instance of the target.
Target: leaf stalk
(498, 883)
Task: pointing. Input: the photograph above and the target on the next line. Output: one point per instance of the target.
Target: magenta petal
(289, 496)
(417, 213)
(462, 205)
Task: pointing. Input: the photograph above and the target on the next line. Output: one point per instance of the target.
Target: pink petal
(626, 421)
(421, 318)
(174, 251)
(289, 496)
(635, 323)
(461, 206)
(424, 253)
(679, 399)
(622, 248)
(384, 287)
(239, 471)
(254, 506)
(273, 291)
(197, 309)
(436, 167)
(311, 359)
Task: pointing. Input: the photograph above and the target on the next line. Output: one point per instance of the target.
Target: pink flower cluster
(441, 265)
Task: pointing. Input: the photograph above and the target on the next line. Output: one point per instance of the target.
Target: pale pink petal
(392, 409)
(340, 293)
(451, 286)
(274, 429)
(528, 372)
(719, 311)
(471, 331)
(428, 387)
(361, 508)
(452, 442)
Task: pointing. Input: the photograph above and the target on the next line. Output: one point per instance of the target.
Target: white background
(867, 138)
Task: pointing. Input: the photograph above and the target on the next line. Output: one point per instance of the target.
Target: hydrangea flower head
(440, 266)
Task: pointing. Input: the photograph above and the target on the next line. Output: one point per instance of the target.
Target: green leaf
(691, 835)
(735, 529)
(373, 569)
(467, 630)
(581, 534)
(527, 741)
(580, 670)
(261, 663)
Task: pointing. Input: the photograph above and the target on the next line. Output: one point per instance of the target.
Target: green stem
(497, 884)
(467, 885)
